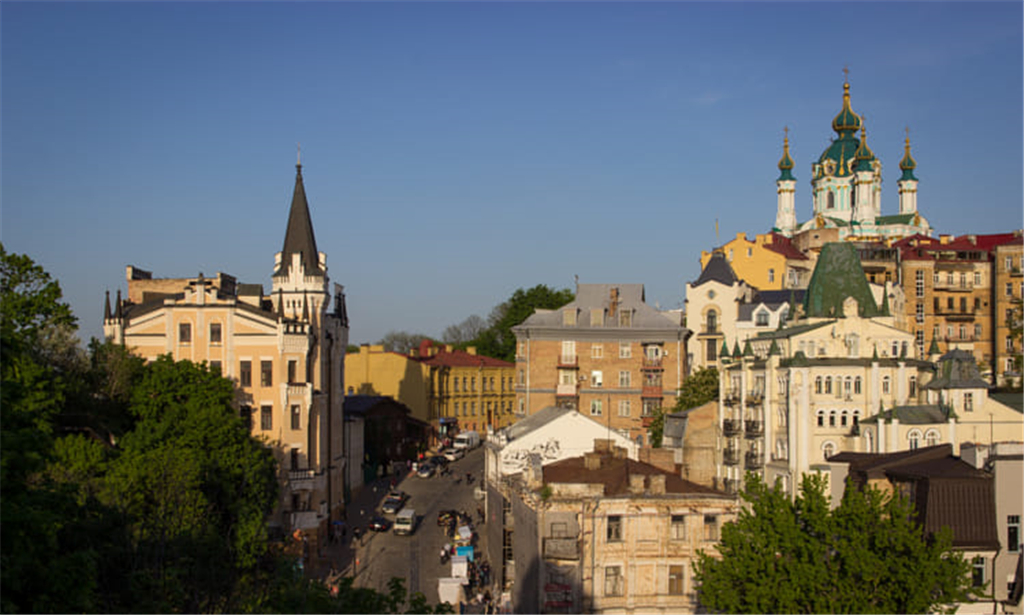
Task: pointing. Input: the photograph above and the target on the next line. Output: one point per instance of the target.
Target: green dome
(907, 165)
(864, 155)
(786, 163)
(843, 150)
(846, 120)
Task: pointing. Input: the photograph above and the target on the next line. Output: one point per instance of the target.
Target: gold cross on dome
(846, 74)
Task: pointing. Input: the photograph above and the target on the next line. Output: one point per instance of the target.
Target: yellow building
(452, 390)
(285, 352)
(770, 262)
(1007, 291)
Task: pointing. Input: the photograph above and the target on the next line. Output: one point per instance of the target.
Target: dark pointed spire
(298, 237)
(106, 308)
(774, 350)
(736, 354)
(118, 313)
(747, 350)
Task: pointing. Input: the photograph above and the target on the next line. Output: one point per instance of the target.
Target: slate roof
(717, 269)
(957, 370)
(1011, 399)
(599, 296)
(837, 276)
(298, 237)
(927, 414)
(614, 475)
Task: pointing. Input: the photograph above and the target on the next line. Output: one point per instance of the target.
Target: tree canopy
(498, 340)
(868, 555)
(699, 388)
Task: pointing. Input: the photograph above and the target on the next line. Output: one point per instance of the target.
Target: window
(711, 321)
(245, 412)
(623, 379)
(292, 368)
(771, 275)
(762, 319)
(266, 417)
(913, 386)
(856, 417)
(710, 528)
(1009, 263)
(1013, 533)
(828, 450)
(566, 376)
(856, 385)
(750, 252)
(848, 387)
(245, 373)
(650, 407)
(597, 351)
(968, 402)
(978, 571)
(977, 278)
(614, 533)
(596, 317)
(919, 283)
(1009, 289)
(569, 317)
(623, 407)
(472, 383)
(215, 367)
(214, 332)
(184, 333)
(821, 418)
(266, 373)
(915, 439)
(885, 385)
(626, 318)
(596, 378)
(625, 350)
(931, 438)
(613, 585)
(675, 580)
(296, 417)
(677, 527)
(595, 407)
(832, 418)
(977, 332)
(521, 378)
(472, 408)
(843, 418)
(712, 351)
(1009, 344)
(920, 313)
(455, 381)
(831, 201)
(817, 385)
(828, 385)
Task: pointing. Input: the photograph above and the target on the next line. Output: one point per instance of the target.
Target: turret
(863, 181)
(785, 218)
(908, 183)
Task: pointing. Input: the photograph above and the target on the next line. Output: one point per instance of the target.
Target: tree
(699, 388)
(401, 341)
(498, 340)
(868, 555)
(464, 332)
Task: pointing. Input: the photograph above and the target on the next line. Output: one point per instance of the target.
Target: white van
(405, 522)
(467, 440)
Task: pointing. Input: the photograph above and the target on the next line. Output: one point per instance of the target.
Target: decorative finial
(298, 154)
(846, 75)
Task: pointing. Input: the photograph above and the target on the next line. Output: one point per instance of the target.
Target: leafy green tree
(401, 341)
(699, 388)
(498, 340)
(868, 555)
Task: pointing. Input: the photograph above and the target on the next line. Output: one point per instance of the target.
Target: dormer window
(762, 318)
(626, 318)
(569, 317)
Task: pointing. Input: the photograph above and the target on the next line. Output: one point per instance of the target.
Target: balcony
(651, 392)
(561, 548)
(652, 363)
(1015, 272)
(755, 398)
(754, 429)
(568, 360)
(954, 286)
(566, 390)
(732, 427)
(301, 480)
(731, 486)
(731, 456)
(731, 398)
(753, 461)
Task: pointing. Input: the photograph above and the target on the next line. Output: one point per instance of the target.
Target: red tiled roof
(988, 242)
(614, 474)
(784, 245)
(461, 358)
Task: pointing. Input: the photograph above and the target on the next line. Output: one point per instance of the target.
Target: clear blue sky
(453, 152)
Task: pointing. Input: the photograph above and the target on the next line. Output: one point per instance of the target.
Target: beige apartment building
(285, 353)
(606, 354)
(1007, 293)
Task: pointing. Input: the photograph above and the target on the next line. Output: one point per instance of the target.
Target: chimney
(534, 473)
(636, 484)
(602, 445)
(661, 458)
(447, 347)
(657, 482)
(613, 301)
(592, 461)
(471, 350)
(618, 452)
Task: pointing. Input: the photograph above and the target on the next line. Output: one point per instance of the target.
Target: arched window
(817, 384)
(856, 385)
(885, 385)
(711, 321)
(844, 418)
(828, 385)
(913, 386)
(931, 438)
(848, 386)
(827, 450)
(869, 440)
(821, 418)
(915, 439)
(832, 418)
(856, 417)
(831, 200)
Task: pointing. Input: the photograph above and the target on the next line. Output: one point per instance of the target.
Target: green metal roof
(837, 277)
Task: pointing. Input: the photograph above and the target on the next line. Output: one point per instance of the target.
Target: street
(378, 556)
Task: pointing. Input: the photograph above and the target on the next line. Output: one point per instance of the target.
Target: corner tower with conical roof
(908, 183)
(785, 218)
(867, 182)
(300, 282)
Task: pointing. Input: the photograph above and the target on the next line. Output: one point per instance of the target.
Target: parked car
(425, 469)
(393, 502)
(379, 524)
(454, 454)
(467, 440)
(405, 522)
